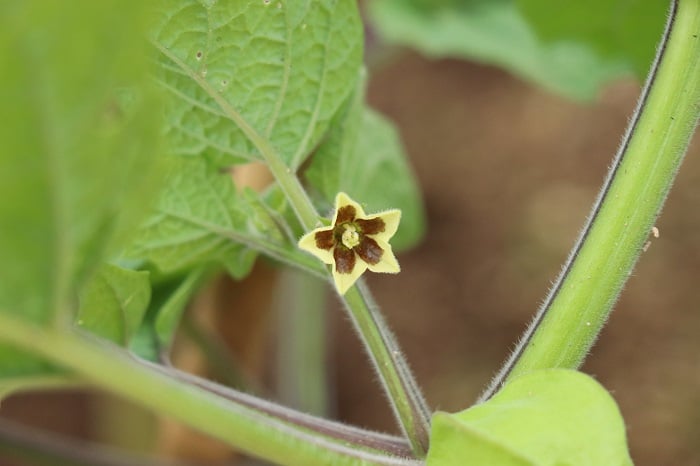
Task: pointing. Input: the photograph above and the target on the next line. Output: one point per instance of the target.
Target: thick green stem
(251, 430)
(623, 216)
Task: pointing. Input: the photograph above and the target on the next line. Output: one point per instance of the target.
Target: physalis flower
(354, 242)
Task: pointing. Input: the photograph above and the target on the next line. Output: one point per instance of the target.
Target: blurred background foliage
(572, 48)
(509, 112)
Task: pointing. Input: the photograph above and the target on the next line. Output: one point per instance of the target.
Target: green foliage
(79, 131)
(75, 153)
(279, 74)
(543, 41)
(170, 311)
(283, 67)
(200, 218)
(113, 303)
(547, 417)
(363, 157)
(624, 30)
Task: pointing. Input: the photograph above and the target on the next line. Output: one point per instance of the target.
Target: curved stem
(631, 199)
(266, 433)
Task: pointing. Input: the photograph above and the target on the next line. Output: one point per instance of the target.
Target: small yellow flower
(354, 242)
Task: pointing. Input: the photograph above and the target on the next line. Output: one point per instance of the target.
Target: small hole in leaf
(199, 55)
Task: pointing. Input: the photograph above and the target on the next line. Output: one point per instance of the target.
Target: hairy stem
(273, 434)
(408, 403)
(622, 218)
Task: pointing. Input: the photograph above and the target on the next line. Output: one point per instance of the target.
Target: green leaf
(200, 219)
(170, 296)
(113, 303)
(79, 132)
(624, 30)
(547, 417)
(496, 33)
(237, 71)
(75, 154)
(170, 312)
(363, 157)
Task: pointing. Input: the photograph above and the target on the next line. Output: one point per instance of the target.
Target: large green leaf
(237, 70)
(495, 32)
(113, 303)
(547, 417)
(79, 129)
(626, 30)
(363, 157)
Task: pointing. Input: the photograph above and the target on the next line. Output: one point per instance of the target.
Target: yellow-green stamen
(351, 237)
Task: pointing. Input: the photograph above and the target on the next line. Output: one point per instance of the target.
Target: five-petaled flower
(354, 242)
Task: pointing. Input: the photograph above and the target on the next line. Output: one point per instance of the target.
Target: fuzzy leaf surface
(283, 69)
(200, 218)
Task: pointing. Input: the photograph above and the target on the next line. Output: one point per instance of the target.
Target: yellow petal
(308, 244)
(388, 262)
(391, 220)
(341, 200)
(343, 281)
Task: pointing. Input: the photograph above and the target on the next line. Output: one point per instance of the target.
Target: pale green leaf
(547, 417)
(79, 129)
(75, 154)
(113, 303)
(363, 157)
(237, 70)
(495, 32)
(200, 219)
(169, 313)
